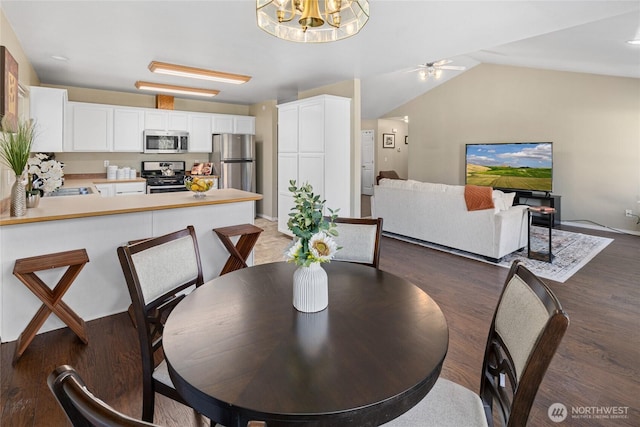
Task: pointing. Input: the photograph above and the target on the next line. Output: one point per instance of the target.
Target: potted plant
(313, 245)
(15, 147)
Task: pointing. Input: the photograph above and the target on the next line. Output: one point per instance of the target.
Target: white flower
(47, 173)
(322, 247)
(294, 251)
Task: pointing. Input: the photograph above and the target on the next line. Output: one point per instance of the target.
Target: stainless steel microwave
(165, 141)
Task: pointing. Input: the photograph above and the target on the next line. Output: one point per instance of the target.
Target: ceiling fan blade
(416, 69)
(441, 62)
(453, 67)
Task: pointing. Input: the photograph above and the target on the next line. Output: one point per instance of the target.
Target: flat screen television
(517, 166)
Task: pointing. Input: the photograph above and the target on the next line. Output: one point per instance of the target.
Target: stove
(164, 176)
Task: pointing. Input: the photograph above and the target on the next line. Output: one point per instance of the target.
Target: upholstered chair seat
(527, 327)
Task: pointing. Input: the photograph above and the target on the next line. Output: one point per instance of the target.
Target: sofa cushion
(502, 201)
(478, 198)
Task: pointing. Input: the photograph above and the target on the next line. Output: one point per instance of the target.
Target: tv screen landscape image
(524, 166)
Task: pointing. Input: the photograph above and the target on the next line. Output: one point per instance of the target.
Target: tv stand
(540, 199)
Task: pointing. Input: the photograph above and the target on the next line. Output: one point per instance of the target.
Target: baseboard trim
(599, 227)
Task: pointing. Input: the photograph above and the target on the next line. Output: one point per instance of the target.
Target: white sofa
(437, 213)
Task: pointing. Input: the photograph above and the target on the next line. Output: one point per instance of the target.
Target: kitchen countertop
(81, 206)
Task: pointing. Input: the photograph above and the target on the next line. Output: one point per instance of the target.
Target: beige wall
(593, 121)
(26, 74)
(266, 115)
(26, 77)
(397, 158)
(143, 100)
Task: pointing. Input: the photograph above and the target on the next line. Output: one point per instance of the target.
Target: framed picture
(8, 87)
(388, 140)
(406, 139)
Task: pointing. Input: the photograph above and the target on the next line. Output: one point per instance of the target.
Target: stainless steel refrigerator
(233, 159)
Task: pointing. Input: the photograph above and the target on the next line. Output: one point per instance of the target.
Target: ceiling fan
(434, 69)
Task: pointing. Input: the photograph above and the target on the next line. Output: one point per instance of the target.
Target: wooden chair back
(159, 272)
(360, 240)
(81, 407)
(526, 330)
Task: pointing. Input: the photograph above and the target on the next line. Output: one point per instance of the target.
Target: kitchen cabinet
(128, 125)
(89, 126)
(245, 125)
(106, 190)
(122, 188)
(200, 131)
(166, 120)
(314, 146)
(47, 109)
(229, 123)
(222, 123)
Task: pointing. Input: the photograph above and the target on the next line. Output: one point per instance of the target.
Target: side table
(25, 269)
(542, 212)
(239, 253)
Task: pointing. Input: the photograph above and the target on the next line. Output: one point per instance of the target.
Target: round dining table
(237, 349)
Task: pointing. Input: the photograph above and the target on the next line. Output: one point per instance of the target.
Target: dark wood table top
(238, 350)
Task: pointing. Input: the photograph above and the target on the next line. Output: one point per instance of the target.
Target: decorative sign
(9, 88)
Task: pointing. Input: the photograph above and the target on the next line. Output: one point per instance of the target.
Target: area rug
(571, 251)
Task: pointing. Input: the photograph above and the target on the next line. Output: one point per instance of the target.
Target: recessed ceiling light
(634, 42)
(196, 73)
(59, 58)
(183, 90)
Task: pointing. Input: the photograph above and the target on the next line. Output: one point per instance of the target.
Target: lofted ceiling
(109, 44)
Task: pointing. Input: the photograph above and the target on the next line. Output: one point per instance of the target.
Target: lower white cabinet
(122, 189)
(106, 190)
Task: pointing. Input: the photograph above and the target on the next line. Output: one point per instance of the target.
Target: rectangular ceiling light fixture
(197, 73)
(183, 90)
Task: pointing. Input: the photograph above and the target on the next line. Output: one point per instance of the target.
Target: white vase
(310, 288)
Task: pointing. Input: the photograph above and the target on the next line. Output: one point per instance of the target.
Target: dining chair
(359, 239)
(83, 409)
(527, 327)
(159, 272)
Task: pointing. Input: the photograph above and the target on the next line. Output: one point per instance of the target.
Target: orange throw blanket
(478, 197)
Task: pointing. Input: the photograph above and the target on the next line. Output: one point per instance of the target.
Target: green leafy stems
(15, 145)
(307, 219)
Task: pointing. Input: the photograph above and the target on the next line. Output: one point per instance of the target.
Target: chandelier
(304, 20)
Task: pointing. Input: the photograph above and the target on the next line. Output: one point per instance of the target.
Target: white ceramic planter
(310, 288)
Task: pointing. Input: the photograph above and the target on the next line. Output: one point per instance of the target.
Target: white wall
(593, 121)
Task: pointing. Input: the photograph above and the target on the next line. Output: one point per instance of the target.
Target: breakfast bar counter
(99, 225)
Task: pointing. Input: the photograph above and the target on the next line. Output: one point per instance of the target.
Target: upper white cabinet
(228, 123)
(245, 125)
(200, 133)
(222, 123)
(128, 125)
(90, 127)
(314, 146)
(47, 107)
(166, 120)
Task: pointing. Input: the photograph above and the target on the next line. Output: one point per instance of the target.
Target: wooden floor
(597, 364)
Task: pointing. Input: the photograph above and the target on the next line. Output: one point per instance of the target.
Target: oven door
(156, 189)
